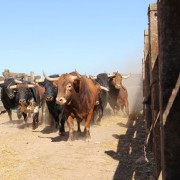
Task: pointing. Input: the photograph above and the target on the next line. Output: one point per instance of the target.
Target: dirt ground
(115, 151)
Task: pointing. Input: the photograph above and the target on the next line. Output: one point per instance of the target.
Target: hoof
(70, 142)
(25, 126)
(10, 122)
(88, 140)
(97, 123)
(35, 126)
(62, 133)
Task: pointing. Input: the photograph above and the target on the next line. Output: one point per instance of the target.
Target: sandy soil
(116, 152)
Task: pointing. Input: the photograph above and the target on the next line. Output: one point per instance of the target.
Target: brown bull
(79, 94)
(118, 95)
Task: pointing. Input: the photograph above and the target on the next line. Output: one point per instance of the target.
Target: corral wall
(169, 67)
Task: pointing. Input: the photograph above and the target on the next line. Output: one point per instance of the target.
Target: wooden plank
(171, 100)
(151, 128)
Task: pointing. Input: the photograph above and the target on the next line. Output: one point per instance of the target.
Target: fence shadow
(130, 152)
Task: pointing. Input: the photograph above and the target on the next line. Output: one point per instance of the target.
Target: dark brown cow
(79, 94)
(118, 95)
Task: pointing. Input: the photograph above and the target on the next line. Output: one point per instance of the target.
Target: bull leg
(19, 113)
(79, 128)
(115, 110)
(62, 130)
(87, 125)
(60, 121)
(43, 112)
(127, 108)
(100, 112)
(35, 120)
(97, 115)
(122, 110)
(10, 115)
(35, 117)
(70, 122)
(25, 119)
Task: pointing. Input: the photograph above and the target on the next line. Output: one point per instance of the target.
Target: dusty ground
(115, 152)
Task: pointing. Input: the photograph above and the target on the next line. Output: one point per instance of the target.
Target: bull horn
(39, 80)
(1, 82)
(126, 76)
(17, 81)
(12, 87)
(50, 79)
(31, 85)
(111, 75)
(104, 88)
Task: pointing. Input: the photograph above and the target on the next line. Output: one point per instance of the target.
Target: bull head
(6, 84)
(69, 85)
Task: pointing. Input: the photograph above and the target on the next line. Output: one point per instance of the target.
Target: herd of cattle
(68, 96)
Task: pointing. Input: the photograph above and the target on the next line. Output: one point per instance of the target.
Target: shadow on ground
(130, 152)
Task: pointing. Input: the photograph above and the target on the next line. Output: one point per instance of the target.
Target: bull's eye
(69, 87)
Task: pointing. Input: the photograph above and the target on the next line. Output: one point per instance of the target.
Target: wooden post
(169, 68)
(32, 77)
(153, 65)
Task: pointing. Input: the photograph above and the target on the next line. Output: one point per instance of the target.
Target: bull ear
(55, 83)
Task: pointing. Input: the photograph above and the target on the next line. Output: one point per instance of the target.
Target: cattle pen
(143, 144)
(116, 144)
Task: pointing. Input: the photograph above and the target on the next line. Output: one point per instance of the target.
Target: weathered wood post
(31, 77)
(146, 85)
(154, 80)
(169, 68)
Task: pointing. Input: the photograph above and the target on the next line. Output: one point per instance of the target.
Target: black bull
(54, 109)
(28, 99)
(8, 96)
(117, 97)
(103, 80)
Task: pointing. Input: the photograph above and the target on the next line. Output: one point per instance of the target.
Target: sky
(59, 36)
